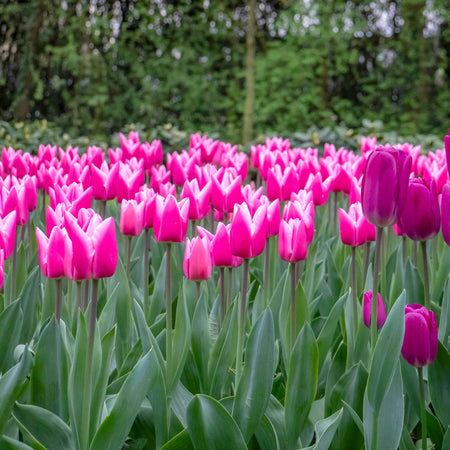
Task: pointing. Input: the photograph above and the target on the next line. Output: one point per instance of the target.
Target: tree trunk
(250, 72)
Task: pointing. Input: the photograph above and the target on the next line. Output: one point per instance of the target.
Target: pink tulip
(2, 267)
(199, 205)
(8, 233)
(367, 310)
(420, 343)
(273, 218)
(298, 210)
(248, 234)
(15, 200)
(131, 217)
(354, 227)
(292, 244)
(171, 219)
(197, 259)
(226, 190)
(320, 189)
(148, 198)
(447, 150)
(104, 181)
(159, 175)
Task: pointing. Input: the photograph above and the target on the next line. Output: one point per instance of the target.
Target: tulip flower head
(353, 226)
(367, 310)
(171, 219)
(293, 242)
(385, 185)
(420, 343)
(197, 259)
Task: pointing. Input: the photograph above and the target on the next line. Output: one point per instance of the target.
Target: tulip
(198, 199)
(445, 203)
(103, 181)
(385, 185)
(420, 343)
(292, 244)
(226, 190)
(367, 310)
(8, 233)
(421, 218)
(197, 259)
(247, 234)
(447, 150)
(2, 267)
(131, 217)
(354, 228)
(171, 219)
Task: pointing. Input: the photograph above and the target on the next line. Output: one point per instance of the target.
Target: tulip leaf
(44, 426)
(50, 372)
(180, 344)
(266, 435)
(255, 384)
(389, 343)
(444, 323)
(181, 441)
(31, 299)
(326, 429)
(11, 320)
(11, 386)
(301, 385)
(116, 426)
(413, 282)
(406, 443)
(201, 342)
(275, 413)
(211, 427)
(383, 426)
(8, 443)
(446, 440)
(439, 386)
(157, 298)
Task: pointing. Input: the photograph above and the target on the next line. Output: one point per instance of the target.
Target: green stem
(354, 291)
(366, 260)
(223, 305)
(376, 264)
(267, 273)
(423, 412)
(146, 269)
(426, 282)
(335, 214)
(415, 253)
(194, 228)
(212, 219)
(79, 295)
(12, 281)
(127, 255)
(86, 294)
(293, 315)
(168, 307)
(58, 300)
(230, 286)
(102, 208)
(241, 323)
(87, 391)
(43, 206)
(404, 250)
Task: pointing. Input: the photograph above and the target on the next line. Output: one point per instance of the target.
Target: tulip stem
(127, 255)
(267, 273)
(58, 300)
(86, 295)
(354, 291)
(146, 269)
(415, 253)
(426, 284)
(102, 208)
(423, 412)
(212, 219)
(366, 260)
(404, 249)
(168, 307)
(293, 316)
(241, 323)
(223, 306)
(194, 228)
(376, 264)
(335, 214)
(230, 286)
(79, 295)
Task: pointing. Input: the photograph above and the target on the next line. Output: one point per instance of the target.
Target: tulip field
(211, 299)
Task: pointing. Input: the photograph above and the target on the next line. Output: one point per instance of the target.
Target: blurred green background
(322, 69)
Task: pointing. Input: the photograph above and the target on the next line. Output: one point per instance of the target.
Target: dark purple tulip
(447, 150)
(445, 204)
(420, 343)
(367, 310)
(421, 217)
(385, 185)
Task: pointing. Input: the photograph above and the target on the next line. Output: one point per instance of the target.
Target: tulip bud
(420, 343)
(354, 228)
(385, 185)
(197, 259)
(367, 310)
(171, 219)
(131, 217)
(292, 244)
(421, 217)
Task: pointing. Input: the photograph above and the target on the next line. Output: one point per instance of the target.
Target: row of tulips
(146, 373)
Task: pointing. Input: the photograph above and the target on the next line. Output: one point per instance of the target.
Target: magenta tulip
(131, 217)
(385, 185)
(421, 217)
(420, 343)
(293, 243)
(197, 259)
(171, 219)
(447, 150)
(367, 310)
(8, 233)
(199, 205)
(353, 226)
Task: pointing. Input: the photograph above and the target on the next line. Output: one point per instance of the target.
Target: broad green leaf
(11, 386)
(10, 327)
(181, 441)
(157, 298)
(411, 394)
(444, 322)
(50, 372)
(181, 398)
(201, 342)
(31, 299)
(326, 429)
(388, 419)
(7, 443)
(355, 417)
(406, 443)
(266, 435)
(211, 427)
(45, 427)
(446, 440)
(413, 282)
(301, 383)
(275, 413)
(389, 342)
(439, 385)
(255, 385)
(116, 426)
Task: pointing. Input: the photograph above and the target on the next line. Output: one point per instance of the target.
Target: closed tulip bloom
(55, 253)
(248, 234)
(148, 197)
(104, 181)
(385, 185)
(367, 310)
(447, 150)
(2, 267)
(420, 343)
(105, 258)
(8, 233)
(199, 205)
(353, 226)
(171, 219)
(226, 190)
(273, 218)
(293, 243)
(445, 204)
(421, 217)
(197, 259)
(131, 217)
